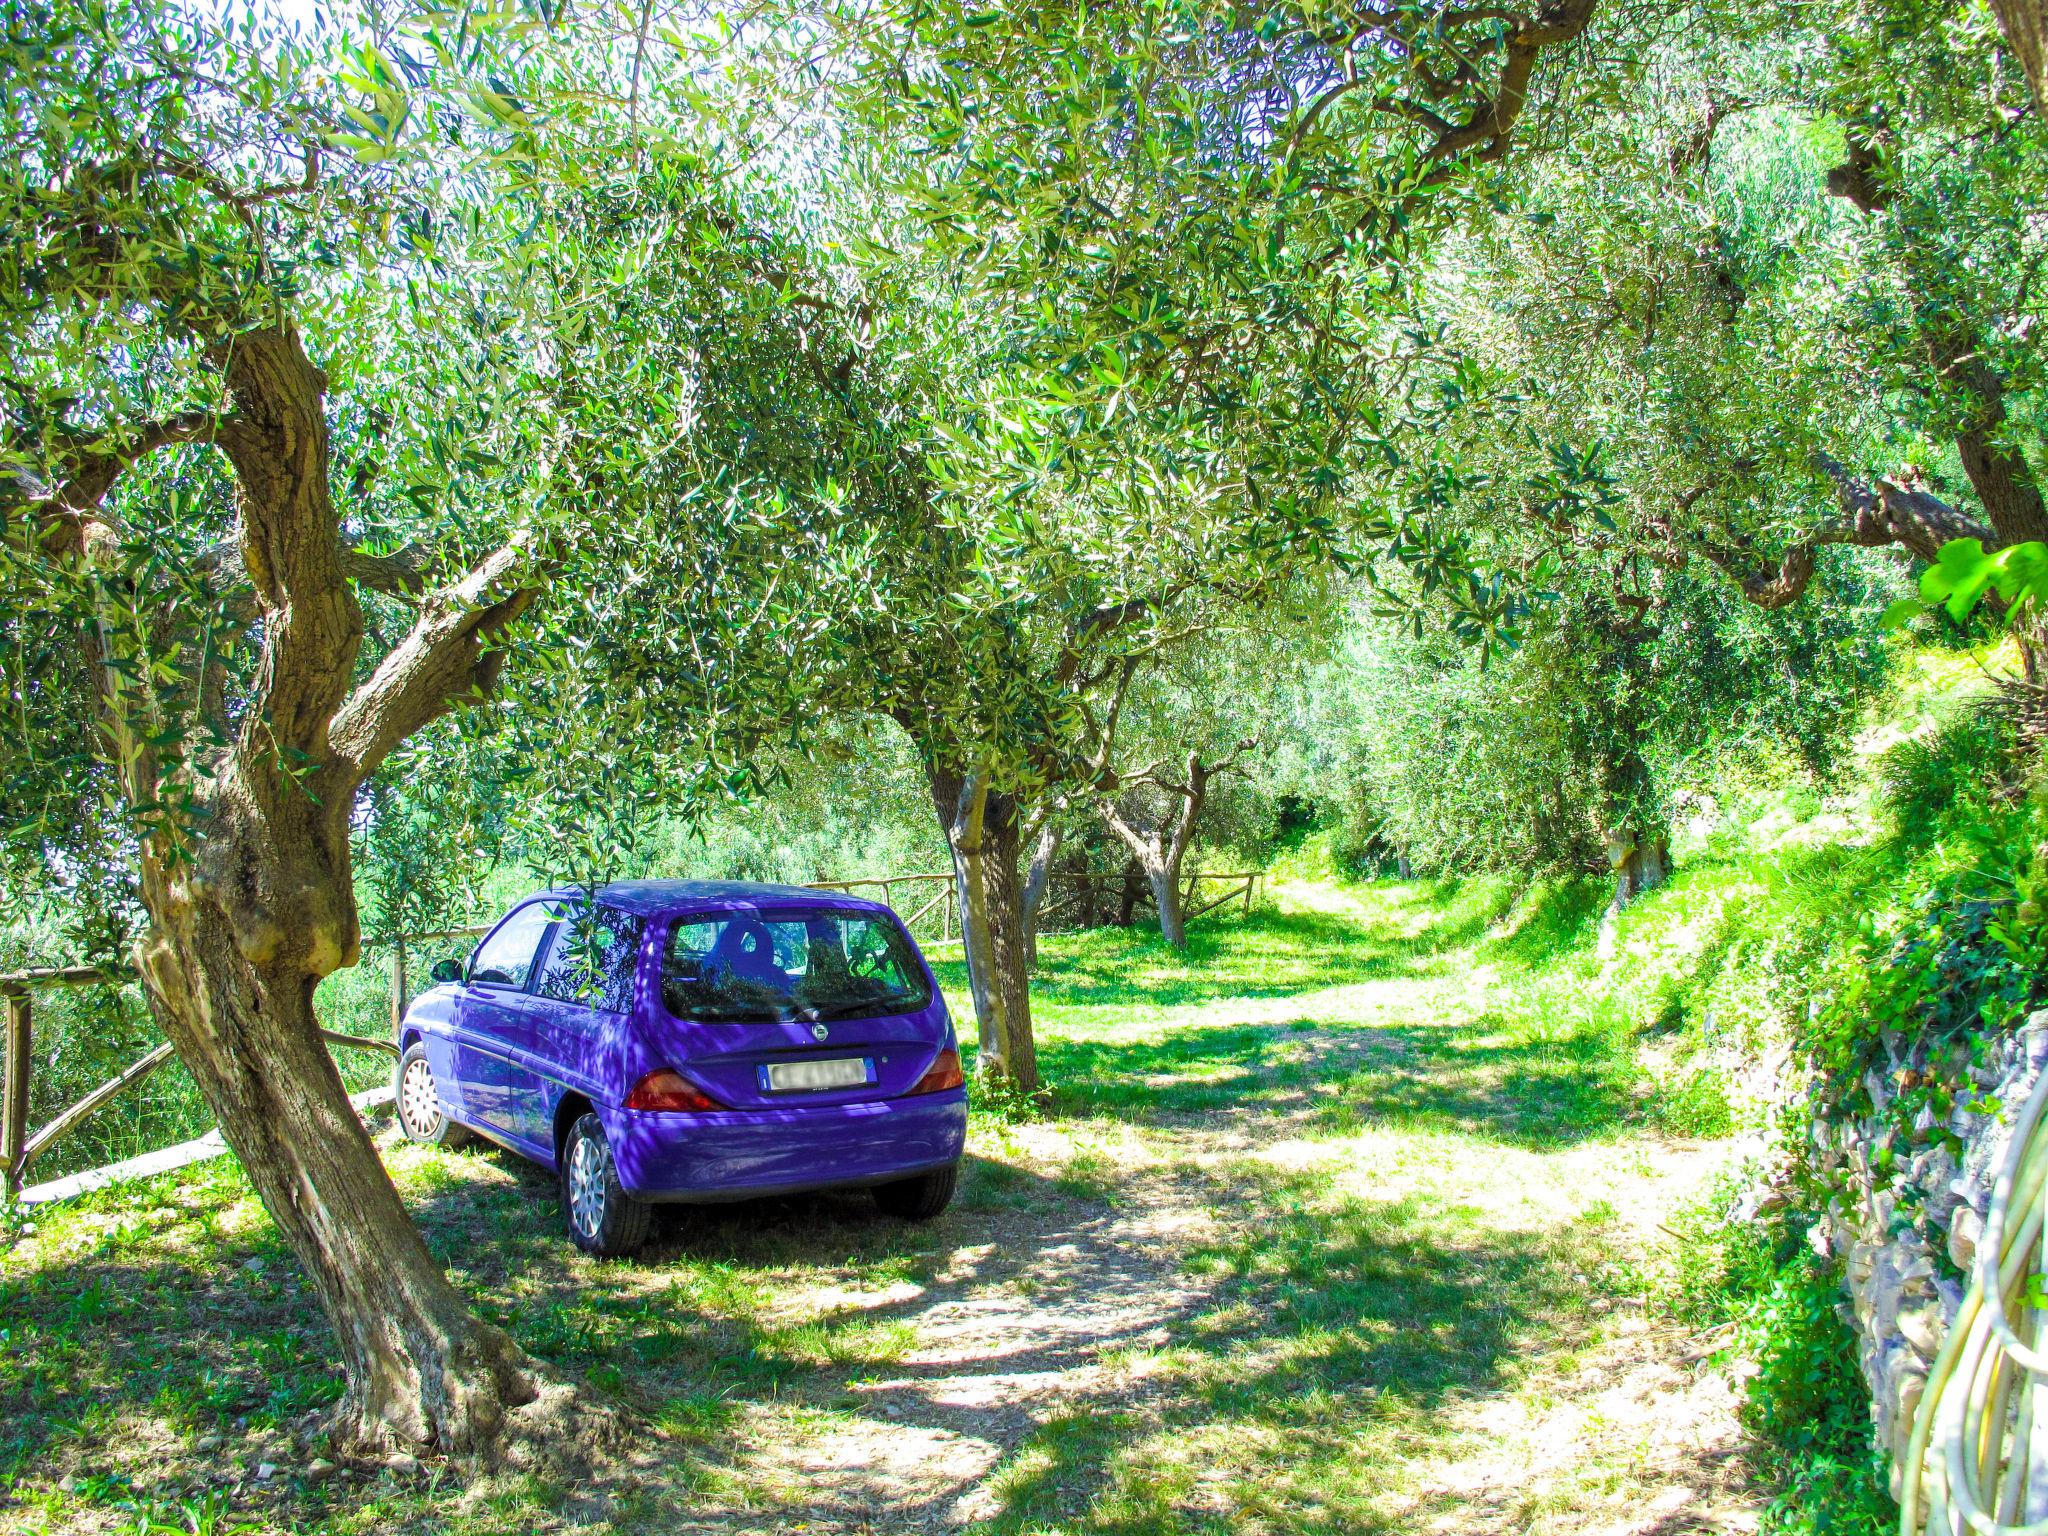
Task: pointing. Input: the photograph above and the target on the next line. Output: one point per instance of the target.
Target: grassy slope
(1407, 1143)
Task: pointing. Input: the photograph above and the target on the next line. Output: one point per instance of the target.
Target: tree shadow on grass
(118, 1360)
(1302, 1345)
(1533, 1090)
(1300, 1359)
(1335, 1336)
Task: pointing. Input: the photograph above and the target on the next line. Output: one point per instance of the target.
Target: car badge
(819, 1031)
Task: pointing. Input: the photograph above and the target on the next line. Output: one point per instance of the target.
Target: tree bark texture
(420, 1368)
(1166, 896)
(252, 901)
(983, 829)
(2025, 25)
(1045, 847)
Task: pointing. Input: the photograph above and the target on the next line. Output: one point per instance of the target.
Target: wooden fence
(20, 1147)
(1077, 900)
(934, 905)
(1072, 899)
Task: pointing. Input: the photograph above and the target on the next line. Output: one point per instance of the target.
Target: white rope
(1989, 1384)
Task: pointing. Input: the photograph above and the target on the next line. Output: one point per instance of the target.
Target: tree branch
(444, 658)
(399, 574)
(1873, 517)
(60, 515)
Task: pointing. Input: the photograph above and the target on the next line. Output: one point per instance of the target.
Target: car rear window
(775, 967)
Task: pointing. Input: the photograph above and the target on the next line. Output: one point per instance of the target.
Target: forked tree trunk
(251, 900)
(983, 831)
(1159, 844)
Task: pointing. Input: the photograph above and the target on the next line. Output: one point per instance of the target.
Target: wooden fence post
(398, 998)
(14, 1089)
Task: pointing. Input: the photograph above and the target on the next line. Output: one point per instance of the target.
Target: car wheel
(921, 1198)
(603, 1218)
(420, 1112)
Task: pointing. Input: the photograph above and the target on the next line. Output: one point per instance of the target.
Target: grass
(1328, 1216)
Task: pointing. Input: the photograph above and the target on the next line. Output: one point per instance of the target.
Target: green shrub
(1807, 1409)
(1697, 1104)
(1923, 778)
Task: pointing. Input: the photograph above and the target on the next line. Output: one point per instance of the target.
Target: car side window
(591, 958)
(506, 957)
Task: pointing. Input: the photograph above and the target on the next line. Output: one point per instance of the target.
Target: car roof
(651, 897)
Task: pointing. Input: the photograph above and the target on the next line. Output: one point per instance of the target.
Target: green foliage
(1697, 1104)
(1964, 574)
(1926, 776)
(1598, 722)
(1957, 961)
(1756, 1284)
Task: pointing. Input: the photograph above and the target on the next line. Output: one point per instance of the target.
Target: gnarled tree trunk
(984, 832)
(421, 1368)
(251, 898)
(1640, 862)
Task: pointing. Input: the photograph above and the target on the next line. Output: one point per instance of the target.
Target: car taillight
(671, 1091)
(945, 1073)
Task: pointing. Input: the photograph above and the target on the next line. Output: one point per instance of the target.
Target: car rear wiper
(846, 1010)
(736, 1016)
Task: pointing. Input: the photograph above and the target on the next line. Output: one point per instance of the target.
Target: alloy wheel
(418, 1100)
(586, 1186)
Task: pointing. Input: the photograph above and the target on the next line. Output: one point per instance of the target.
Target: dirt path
(1052, 1319)
(1336, 1231)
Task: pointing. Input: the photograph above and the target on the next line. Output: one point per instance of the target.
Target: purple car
(691, 1041)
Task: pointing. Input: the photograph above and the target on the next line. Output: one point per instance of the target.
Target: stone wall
(1906, 1223)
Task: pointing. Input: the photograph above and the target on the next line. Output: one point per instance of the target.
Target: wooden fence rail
(1238, 885)
(20, 1148)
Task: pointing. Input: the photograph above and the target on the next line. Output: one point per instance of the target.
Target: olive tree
(1121, 280)
(1159, 753)
(1788, 288)
(320, 373)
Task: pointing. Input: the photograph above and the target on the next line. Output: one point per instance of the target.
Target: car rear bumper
(742, 1153)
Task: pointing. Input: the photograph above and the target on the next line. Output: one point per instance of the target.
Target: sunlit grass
(1428, 1096)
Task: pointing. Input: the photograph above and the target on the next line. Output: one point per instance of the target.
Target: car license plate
(797, 1076)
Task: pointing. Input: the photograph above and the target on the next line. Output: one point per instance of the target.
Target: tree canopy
(534, 431)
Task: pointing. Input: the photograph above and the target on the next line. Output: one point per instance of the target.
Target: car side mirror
(446, 970)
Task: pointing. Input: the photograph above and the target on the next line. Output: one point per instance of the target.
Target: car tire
(920, 1198)
(416, 1098)
(603, 1219)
